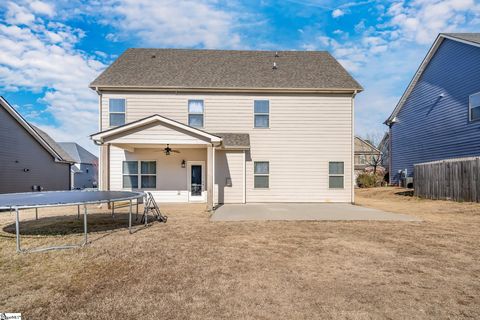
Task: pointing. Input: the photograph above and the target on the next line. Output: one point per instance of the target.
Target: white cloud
(184, 23)
(422, 20)
(338, 13)
(42, 58)
(18, 15)
(43, 8)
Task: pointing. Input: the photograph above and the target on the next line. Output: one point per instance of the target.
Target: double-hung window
(474, 106)
(195, 113)
(261, 174)
(116, 108)
(148, 174)
(261, 111)
(335, 175)
(139, 173)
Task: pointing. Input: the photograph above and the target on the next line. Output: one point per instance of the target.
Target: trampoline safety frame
(133, 196)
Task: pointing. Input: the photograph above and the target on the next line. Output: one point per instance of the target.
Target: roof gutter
(232, 90)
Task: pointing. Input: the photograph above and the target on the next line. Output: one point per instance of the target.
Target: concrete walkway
(304, 211)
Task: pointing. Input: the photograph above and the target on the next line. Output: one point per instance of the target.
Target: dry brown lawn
(191, 268)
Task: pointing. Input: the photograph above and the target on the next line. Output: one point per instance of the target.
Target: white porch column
(210, 177)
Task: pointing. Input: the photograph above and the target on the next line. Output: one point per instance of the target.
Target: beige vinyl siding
(306, 132)
(157, 133)
(229, 164)
(171, 177)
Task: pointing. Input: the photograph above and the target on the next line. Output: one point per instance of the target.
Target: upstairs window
(261, 110)
(335, 175)
(195, 113)
(261, 174)
(474, 107)
(116, 112)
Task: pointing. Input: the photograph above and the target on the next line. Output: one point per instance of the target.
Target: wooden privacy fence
(453, 179)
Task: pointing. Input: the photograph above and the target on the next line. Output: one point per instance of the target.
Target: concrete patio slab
(304, 211)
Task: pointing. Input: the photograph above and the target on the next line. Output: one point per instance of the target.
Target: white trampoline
(34, 200)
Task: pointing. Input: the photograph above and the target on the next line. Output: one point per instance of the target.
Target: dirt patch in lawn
(191, 268)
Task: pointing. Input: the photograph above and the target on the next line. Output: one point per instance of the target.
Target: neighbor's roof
(470, 37)
(52, 143)
(42, 138)
(234, 140)
(364, 146)
(467, 38)
(78, 153)
(224, 70)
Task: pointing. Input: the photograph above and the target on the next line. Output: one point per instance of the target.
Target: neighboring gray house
(30, 159)
(85, 170)
(365, 155)
(384, 147)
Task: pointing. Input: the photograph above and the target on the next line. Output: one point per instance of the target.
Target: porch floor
(304, 211)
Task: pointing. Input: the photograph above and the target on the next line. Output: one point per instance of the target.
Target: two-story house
(220, 126)
(438, 116)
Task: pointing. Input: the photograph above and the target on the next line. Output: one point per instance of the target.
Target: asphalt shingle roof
(78, 153)
(215, 69)
(234, 140)
(53, 144)
(472, 37)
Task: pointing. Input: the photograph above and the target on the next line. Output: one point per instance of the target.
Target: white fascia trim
(101, 135)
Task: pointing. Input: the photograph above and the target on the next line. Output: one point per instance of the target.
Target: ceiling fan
(169, 150)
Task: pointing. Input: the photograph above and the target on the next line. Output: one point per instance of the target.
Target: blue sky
(51, 50)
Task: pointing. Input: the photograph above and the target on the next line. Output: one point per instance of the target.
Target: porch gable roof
(145, 122)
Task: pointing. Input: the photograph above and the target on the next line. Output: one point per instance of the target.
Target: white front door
(196, 181)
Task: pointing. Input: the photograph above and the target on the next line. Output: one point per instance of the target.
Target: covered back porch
(175, 162)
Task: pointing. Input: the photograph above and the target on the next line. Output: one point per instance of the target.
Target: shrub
(370, 180)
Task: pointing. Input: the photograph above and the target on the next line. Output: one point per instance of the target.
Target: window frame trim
(470, 107)
(139, 174)
(196, 113)
(336, 175)
(124, 113)
(261, 114)
(261, 175)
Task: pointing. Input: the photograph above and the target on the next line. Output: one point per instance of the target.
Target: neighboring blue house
(438, 116)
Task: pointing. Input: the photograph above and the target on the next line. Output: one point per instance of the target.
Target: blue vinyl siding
(431, 127)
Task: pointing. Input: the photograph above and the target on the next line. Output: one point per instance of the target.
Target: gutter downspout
(352, 186)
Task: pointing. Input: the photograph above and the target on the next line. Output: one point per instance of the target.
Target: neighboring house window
(117, 112)
(130, 174)
(261, 110)
(474, 104)
(148, 174)
(195, 113)
(336, 175)
(261, 174)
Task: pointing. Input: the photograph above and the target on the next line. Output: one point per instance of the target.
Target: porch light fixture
(183, 163)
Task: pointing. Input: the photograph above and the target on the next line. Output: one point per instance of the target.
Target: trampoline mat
(56, 198)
